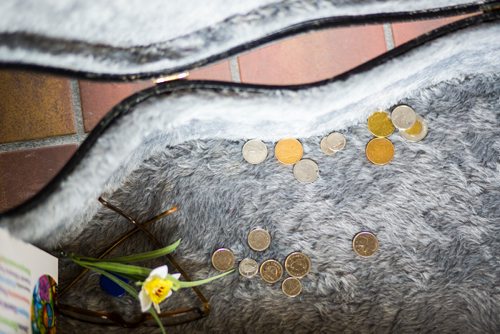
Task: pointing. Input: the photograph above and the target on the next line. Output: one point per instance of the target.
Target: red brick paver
(312, 57)
(34, 106)
(24, 173)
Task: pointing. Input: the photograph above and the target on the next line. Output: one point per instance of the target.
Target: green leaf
(117, 268)
(139, 257)
(130, 291)
(183, 284)
(157, 318)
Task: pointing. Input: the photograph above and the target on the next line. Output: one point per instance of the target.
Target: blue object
(110, 287)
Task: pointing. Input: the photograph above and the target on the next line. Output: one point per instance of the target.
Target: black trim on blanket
(143, 54)
(127, 105)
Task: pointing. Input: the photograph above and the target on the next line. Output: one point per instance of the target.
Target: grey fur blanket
(435, 208)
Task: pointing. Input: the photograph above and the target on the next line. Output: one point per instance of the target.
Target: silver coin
(254, 151)
(306, 171)
(403, 117)
(419, 136)
(248, 267)
(324, 147)
(336, 141)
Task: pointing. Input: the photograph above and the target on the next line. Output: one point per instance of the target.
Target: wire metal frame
(169, 318)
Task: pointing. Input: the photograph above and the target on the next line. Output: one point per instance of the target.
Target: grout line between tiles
(234, 67)
(39, 143)
(389, 38)
(77, 108)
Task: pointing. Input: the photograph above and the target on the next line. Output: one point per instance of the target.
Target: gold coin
(380, 125)
(297, 264)
(259, 239)
(223, 259)
(291, 287)
(417, 132)
(380, 151)
(271, 271)
(288, 151)
(365, 244)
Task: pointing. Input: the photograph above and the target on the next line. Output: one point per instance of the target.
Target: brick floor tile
(97, 98)
(219, 71)
(313, 56)
(34, 106)
(405, 31)
(24, 173)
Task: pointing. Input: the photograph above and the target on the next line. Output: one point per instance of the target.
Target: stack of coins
(297, 265)
(380, 150)
(289, 151)
(332, 143)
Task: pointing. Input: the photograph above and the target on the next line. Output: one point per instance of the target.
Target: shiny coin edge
(363, 233)
(247, 259)
(223, 250)
(253, 246)
(287, 259)
(264, 277)
(291, 279)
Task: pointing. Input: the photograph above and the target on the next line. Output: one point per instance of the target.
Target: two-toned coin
(223, 259)
(306, 171)
(248, 268)
(403, 117)
(259, 239)
(297, 264)
(365, 244)
(291, 287)
(379, 151)
(271, 271)
(417, 132)
(380, 125)
(254, 151)
(288, 151)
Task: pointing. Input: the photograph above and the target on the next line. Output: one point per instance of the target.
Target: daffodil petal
(144, 300)
(161, 272)
(176, 276)
(157, 307)
(169, 294)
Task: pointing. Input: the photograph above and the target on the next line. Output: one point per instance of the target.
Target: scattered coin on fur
(259, 239)
(291, 287)
(271, 271)
(288, 151)
(248, 267)
(336, 141)
(380, 151)
(417, 132)
(254, 151)
(323, 145)
(380, 125)
(297, 264)
(223, 259)
(403, 117)
(306, 171)
(365, 244)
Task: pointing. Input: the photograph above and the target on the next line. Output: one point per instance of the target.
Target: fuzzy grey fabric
(435, 210)
(117, 37)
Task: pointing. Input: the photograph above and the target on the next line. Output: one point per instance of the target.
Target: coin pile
(412, 127)
(297, 265)
(289, 151)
